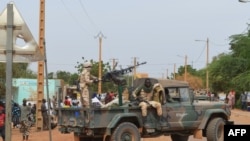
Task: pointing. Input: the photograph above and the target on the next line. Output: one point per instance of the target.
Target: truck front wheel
(126, 132)
(215, 130)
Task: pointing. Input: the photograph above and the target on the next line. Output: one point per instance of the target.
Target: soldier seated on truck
(145, 96)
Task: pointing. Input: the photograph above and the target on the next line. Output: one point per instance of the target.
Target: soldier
(86, 79)
(144, 94)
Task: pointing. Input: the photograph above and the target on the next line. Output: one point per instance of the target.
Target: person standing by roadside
(243, 99)
(233, 99)
(45, 115)
(2, 123)
(25, 123)
(16, 113)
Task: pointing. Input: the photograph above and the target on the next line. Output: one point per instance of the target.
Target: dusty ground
(238, 116)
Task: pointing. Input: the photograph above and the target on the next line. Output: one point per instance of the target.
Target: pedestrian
(45, 115)
(209, 96)
(33, 109)
(231, 99)
(243, 99)
(108, 98)
(75, 101)
(25, 123)
(2, 123)
(16, 114)
(67, 101)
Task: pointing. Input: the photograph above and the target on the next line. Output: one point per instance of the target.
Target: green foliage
(232, 70)
(105, 67)
(190, 70)
(19, 70)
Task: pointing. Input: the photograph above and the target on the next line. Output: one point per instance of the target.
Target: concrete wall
(27, 88)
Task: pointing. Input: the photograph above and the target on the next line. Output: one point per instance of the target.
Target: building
(27, 88)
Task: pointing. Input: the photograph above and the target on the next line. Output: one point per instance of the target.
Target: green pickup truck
(183, 114)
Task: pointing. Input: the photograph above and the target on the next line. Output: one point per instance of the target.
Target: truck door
(180, 111)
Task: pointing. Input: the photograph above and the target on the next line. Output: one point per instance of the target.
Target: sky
(159, 32)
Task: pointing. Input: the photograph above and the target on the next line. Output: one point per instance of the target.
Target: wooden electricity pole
(174, 71)
(114, 63)
(40, 75)
(185, 78)
(100, 36)
(134, 70)
(207, 83)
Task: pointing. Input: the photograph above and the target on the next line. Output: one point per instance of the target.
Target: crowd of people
(24, 117)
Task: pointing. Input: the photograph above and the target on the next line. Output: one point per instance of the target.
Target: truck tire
(175, 137)
(126, 132)
(215, 130)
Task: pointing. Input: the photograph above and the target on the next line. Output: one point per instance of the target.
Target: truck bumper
(229, 122)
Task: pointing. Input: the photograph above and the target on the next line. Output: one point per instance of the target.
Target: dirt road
(238, 116)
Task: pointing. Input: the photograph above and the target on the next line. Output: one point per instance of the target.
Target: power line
(200, 54)
(86, 13)
(75, 19)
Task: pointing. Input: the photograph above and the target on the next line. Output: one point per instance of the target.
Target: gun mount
(116, 76)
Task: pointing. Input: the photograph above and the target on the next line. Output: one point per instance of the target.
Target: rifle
(116, 75)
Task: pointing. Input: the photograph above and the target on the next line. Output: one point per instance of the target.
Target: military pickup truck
(123, 122)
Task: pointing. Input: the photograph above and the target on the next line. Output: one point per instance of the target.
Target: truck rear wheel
(175, 137)
(215, 130)
(126, 132)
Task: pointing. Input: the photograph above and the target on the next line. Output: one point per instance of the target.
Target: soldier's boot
(146, 124)
(163, 121)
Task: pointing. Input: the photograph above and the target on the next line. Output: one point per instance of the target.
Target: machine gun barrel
(116, 75)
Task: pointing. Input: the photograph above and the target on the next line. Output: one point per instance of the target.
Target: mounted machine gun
(116, 76)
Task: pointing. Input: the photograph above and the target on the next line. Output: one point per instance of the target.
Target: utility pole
(134, 70)
(174, 71)
(207, 60)
(185, 78)
(207, 82)
(9, 62)
(167, 74)
(100, 36)
(114, 63)
(40, 75)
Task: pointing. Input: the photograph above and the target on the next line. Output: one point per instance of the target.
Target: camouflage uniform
(86, 79)
(146, 94)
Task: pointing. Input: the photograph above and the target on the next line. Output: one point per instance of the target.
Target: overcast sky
(160, 32)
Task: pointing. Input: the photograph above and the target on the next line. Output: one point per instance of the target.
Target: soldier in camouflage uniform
(145, 94)
(86, 79)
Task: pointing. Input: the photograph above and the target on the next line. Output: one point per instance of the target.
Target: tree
(232, 70)
(107, 86)
(19, 70)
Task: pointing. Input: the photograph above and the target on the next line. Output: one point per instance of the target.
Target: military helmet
(87, 65)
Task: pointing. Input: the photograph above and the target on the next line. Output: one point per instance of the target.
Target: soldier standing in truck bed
(86, 79)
